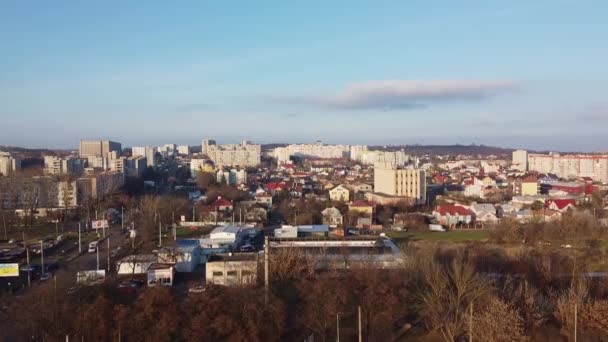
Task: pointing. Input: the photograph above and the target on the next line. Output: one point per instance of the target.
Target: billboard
(9, 270)
(90, 277)
(100, 224)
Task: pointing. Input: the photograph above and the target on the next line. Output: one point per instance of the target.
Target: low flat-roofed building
(161, 274)
(135, 264)
(185, 258)
(345, 253)
(232, 269)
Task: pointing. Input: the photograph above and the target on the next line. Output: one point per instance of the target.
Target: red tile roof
(560, 203)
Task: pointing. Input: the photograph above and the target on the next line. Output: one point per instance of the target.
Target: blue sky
(510, 73)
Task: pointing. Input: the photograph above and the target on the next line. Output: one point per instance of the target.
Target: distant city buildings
(183, 150)
(8, 164)
(70, 165)
(98, 148)
(243, 154)
(317, 150)
(395, 180)
(594, 166)
(232, 176)
(200, 165)
(520, 160)
(145, 151)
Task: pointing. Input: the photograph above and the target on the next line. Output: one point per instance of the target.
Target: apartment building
(200, 164)
(571, 166)
(131, 167)
(520, 160)
(145, 151)
(232, 176)
(395, 180)
(98, 148)
(183, 150)
(243, 154)
(316, 150)
(54, 165)
(372, 157)
(8, 164)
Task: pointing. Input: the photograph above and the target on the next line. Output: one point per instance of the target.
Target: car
(45, 276)
(131, 284)
(246, 248)
(72, 290)
(30, 268)
(197, 289)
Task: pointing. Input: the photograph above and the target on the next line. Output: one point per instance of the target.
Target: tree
(205, 179)
(497, 321)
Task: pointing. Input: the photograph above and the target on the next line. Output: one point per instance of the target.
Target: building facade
(145, 151)
(8, 164)
(394, 180)
(520, 160)
(98, 148)
(571, 166)
(316, 150)
(243, 154)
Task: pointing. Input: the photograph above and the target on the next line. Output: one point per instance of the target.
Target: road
(88, 261)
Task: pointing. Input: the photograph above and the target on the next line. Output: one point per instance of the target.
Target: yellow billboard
(9, 270)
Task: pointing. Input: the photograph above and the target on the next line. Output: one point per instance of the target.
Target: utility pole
(160, 241)
(27, 256)
(79, 240)
(97, 250)
(575, 320)
(471, 322)
(338, 327)
(108, 255)
(42, 256)
(193, 212)
(4, 224)
(122, 218)
(266, 278)
(56, 227)
(360, 335)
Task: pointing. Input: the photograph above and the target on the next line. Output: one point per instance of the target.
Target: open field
(188, 232)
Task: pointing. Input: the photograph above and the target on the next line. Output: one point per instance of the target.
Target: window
(246, 273)
(231, 273)
(218, 273)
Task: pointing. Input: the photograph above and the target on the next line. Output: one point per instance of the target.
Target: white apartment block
(318, 150)
(70, 165)
(98, 148)
(571, 166)
(183, 150)
(243, 154)
(520, 160)
(394, 180)
(8, 164)
(232, 177)
(197, 165)
(394, 157)
(145, 151)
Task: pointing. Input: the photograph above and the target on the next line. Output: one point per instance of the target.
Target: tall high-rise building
(394, 180)
(8, 164)
(98, 148)
(317, 150)
(54, 165)
(243, 154)
(145, 151)
(520, 160)
(594, 166)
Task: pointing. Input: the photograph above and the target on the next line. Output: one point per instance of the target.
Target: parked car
(246, 248)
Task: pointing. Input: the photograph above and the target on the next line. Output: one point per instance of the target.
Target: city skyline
(508, 74)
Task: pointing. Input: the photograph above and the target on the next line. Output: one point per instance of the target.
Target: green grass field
(453, 236)
(187, 232)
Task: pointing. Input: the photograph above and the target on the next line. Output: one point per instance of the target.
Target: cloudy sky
(530, 74)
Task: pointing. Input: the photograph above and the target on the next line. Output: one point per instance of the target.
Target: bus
(93, 246)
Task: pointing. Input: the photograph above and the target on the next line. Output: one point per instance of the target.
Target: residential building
(452, 216)
(363, 207)
(594, 166)
(394, 157)
(98, 148)
(529, 186)
(67, 194)
(145, 151)
(243, 154)
(232, 176)
(54, 165)
(520, 160)
(316, 150)
(183, 150)
(200, 165)
(339, 193)
(332, 217)
(8, 164)
(394, 180)
(98, 185)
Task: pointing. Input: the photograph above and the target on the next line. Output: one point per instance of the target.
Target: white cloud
(406, 94)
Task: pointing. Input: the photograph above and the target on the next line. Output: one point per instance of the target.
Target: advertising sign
(100, 224)
(9, 270)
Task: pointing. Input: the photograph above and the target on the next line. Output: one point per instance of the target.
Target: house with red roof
(452, 215)
(221, 204)
(362, 206)
(560, 204)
